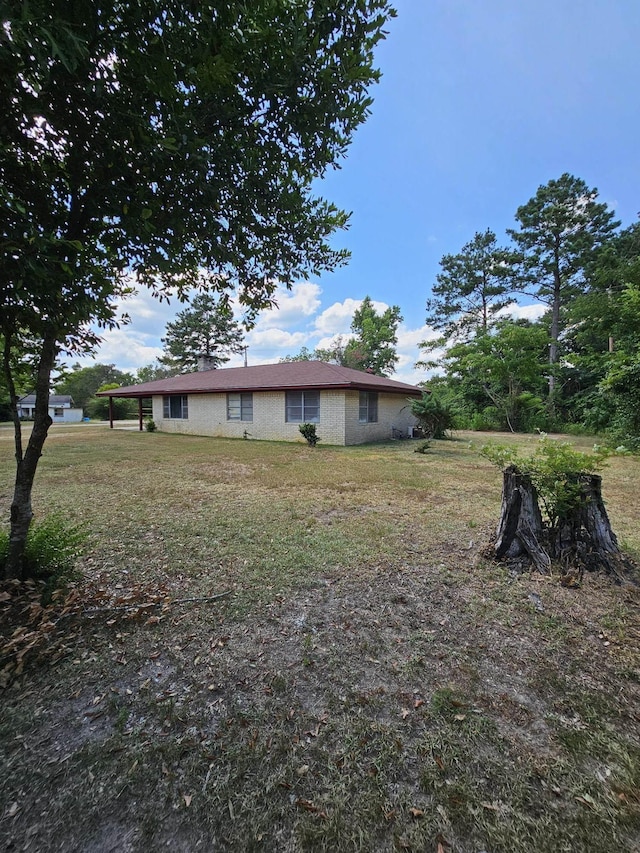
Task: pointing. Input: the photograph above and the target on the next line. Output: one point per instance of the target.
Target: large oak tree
(155, 140)
(376, 335)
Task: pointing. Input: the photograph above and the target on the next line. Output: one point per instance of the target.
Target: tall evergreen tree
(604, 340)
(471, 289)
(560, 230)
(207, 330)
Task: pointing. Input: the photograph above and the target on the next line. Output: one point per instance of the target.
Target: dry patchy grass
(368, 683)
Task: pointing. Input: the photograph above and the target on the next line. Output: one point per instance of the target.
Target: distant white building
(61, 408)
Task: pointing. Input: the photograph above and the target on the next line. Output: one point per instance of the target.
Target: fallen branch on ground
(148, 604)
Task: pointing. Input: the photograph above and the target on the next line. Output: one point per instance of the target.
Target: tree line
(577, 365)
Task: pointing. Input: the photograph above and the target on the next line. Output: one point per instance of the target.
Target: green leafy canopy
(554, 468)
(374, 345)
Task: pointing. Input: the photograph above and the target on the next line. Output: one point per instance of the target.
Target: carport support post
(110, 412)
(140, 412)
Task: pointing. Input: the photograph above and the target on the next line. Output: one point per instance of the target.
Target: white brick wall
(394, 412)
(208, 416)
(338, 418)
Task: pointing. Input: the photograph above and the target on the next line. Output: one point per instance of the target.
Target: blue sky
(479, 104)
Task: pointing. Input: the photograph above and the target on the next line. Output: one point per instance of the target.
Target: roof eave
(346, 386)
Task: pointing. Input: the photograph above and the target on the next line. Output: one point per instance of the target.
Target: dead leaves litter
(46, 633)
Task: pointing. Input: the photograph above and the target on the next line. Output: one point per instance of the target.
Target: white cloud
(127, 348)
(524, 312)
(149, 315)
(336, 319)
(271, 344)
(409, 352)
(414, 337)
(303, 300)
(330, 341)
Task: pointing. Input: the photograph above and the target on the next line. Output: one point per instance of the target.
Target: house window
(240, 407)
(58, 413)
(175, 406)
(302, 407)
(368, 410)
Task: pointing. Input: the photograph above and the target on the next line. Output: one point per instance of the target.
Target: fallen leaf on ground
(587, 800)
(310, 807)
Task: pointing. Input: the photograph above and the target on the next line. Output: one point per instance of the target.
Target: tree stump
(584, 537)
(581, 539)
(520, 530)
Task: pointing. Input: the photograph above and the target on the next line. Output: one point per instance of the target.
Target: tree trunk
(555, 321)
(520, 530)
(21, 509)
(583, 539)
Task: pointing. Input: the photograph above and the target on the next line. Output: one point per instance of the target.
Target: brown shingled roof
(267, 377)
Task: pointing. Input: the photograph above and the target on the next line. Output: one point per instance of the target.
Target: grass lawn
(279, 648)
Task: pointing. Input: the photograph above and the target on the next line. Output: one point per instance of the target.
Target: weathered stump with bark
(521, 532)
(581, 539)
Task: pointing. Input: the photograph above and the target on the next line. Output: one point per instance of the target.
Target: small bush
(434, 417)
(150, 425)
(423, 447)
(309, 432)
(53, 547)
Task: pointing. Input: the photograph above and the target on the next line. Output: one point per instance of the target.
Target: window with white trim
(240, 406)
(302, 407)
(368, 408)
(175, 406)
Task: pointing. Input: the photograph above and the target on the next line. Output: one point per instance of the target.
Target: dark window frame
(243, 405)
(302, 407)
(175, 407)
(368, 407)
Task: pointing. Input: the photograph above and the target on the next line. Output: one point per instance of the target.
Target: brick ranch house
(270, 401)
